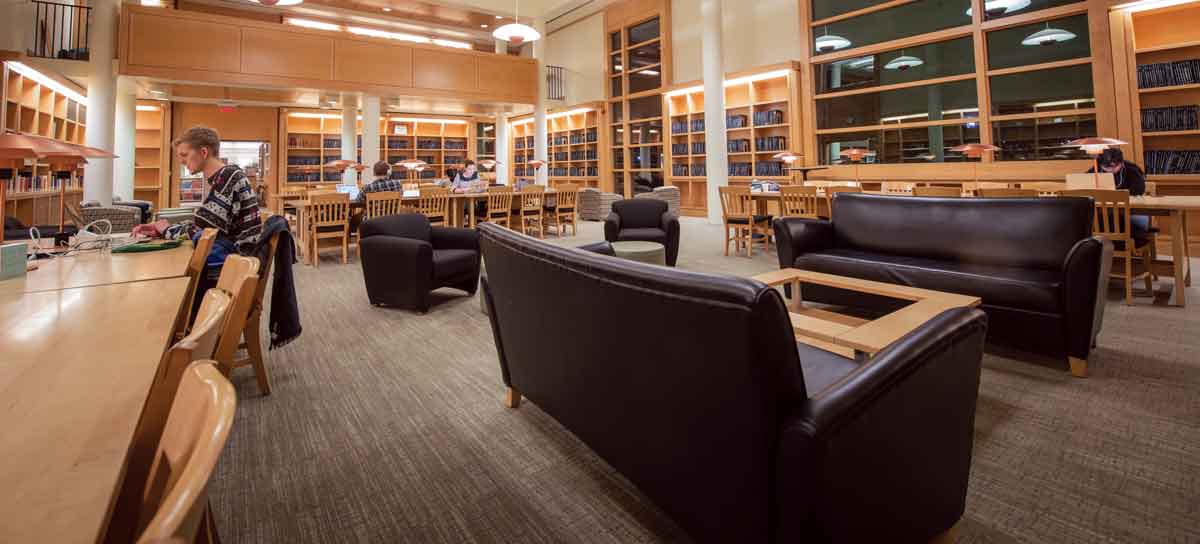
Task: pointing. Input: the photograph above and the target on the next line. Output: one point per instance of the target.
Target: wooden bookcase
(1150, 37)
(753, 142)
(29, 107)
(314, 138)
(152, 160)
(575, 151)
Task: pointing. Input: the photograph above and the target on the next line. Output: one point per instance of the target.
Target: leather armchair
(720, 418)
(403, 259)
(645, 220)
(1033, 261)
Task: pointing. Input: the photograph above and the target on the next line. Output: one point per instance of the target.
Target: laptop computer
(352, 190)
(1091, 181)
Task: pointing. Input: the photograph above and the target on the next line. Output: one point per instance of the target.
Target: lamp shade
(974, 150)
(516, 33)
(856, 154)
(830, 42)
(536, 163)
(1002, 7)
(1048, 36)
(903, 62)
(343, 164)
(488, 163)
(787, 157)
(412, 164)
(278, 2)
(1096, 145)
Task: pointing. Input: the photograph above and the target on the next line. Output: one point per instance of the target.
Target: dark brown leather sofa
(1032, 261)
(712, 410)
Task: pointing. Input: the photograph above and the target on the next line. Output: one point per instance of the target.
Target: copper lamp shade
(488, 163)
(787, 157)
(1095, 146)
(343, 164)
(856, 154)
(412, 164)
(536, 163)
(974, 150)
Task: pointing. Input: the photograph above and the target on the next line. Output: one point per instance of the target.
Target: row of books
(698, 148)
(739, 169)
(1170, 118)
(303, 160)
(769, 117)
(1172, 162)
(1166, 74)
(425, 143)
(573, 171)
(25, 183)
(679, 149)
(771, 143)
(679, 126)
(584, 155)
(304, 176)
(739, 146)
(768, 169)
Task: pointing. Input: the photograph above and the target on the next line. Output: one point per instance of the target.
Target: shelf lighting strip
(375, 33)
(307, 115)
(47, 81)
(736, 81)
(554, 115)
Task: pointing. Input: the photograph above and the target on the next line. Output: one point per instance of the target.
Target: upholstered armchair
(645, 220)
(404, 258)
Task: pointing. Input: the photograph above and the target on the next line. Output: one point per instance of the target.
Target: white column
(370, 114)
(349, 134)
(712, 55)
(101, 103)
(503, 167)
(539, 113)
(501, 47)
(125, 137)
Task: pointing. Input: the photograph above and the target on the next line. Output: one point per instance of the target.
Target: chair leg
(1129, 279)
(726, 239)
(254, 348)
(512, 398)
(1146, 264)
(316, 254)
(1078, 367)
(345, 248)
(749, 241)
(947, 537)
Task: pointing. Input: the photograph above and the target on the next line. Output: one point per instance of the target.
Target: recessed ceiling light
(387, 9)
(499, 16)
(482, 26)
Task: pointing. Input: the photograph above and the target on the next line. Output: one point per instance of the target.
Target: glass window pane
(645, 80)
(485, 130)
(644, 182)
(910, 105)
(1059, 39)
(615, 66)
(614, 86)
(1042, 139)
(618, 154)
(1045, 90)
(614, 41)
(822, 9)
(648, 132)
(618, 112)
(645, 107)
(998, 9)
(645, 157)
(643, 32)
(928, 61)
(915, 145)
(646, 55)
(899, 22)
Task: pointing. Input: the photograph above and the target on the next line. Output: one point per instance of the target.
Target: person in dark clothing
(1127, 176)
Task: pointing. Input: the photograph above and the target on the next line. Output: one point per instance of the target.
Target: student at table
(1127, 176)
(467, 181)
(382, 183)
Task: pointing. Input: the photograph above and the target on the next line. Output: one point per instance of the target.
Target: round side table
(642, 252)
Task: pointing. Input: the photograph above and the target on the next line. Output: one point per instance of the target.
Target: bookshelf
(314, 138)
(152, 160)
(485, 146)
(762, 119)
(574, 150)
(33, 104)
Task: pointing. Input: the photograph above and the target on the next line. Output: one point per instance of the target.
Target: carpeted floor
(387, 426)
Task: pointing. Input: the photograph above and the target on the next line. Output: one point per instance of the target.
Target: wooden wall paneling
(290, 54)
(152, 39)
(446, 70)
(982, 89)
(372, 63)
(808, 105)
(505, 79)
(1103, 74)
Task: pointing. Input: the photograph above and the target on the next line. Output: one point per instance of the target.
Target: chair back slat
(566, 197)
(434, 203)
(736, 202)
(499, 199)
(942, 192)
(985, 192)
(533, 197)
(1111, 218)
(329, 209)
(898, 187)
(382, 203)
(799, 201)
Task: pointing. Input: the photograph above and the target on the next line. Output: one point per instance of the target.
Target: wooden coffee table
(854, 337)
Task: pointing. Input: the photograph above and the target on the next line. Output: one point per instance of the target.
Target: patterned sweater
(231, 207)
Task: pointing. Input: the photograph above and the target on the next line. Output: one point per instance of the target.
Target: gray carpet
(386, 426)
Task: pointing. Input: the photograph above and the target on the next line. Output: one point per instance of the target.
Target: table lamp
(856, 155)
(788, 158)
(342, 164)
(975, 151)
(489, 165)
(1094, 147)
(412, 165)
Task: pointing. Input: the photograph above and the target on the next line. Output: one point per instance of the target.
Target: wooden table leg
(1179, 258)
(797, 302)
(1187, 251)
(301, 214)
(471, 210)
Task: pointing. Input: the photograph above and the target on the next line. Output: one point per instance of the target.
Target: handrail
(60, 30)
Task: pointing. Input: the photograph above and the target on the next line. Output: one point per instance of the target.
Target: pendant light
(271, 3)
(515, 32)
(1048, 36)
(861, 63)
(903, 62)
(1002, 7)
(830, 42)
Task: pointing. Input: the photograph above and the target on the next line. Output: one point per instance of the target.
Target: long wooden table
(1180, 266)
(101, 268)
(854, 337)
(77, 365)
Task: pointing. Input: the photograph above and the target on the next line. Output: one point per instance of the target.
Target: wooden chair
(833, 190)
(562, 213)
(329, 219)
(898, 187)
(1112, 221)
(382, 203)
(252, 332)
(195, 269)
(239, 278)
(942, 192)
(1045, 188)
(797, 201)
(737, 213)
(499, 206)
(985, 192)
(531, 212)
(176, 494)
(434, 203)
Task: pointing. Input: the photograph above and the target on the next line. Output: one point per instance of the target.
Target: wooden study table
(91, 268)
(853, 337)
(1179, 267)
(77, 367)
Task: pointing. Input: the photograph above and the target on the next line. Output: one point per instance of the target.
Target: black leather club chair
(403, 259)
(644, 220)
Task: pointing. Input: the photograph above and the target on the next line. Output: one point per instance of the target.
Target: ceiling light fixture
(903, 62)
(830, 42)
(515, 32)
(309, 23)
(483, 26)
(861, 63)
(152, 3)
(143, 107)
(1143, 5)
(272, 3)
(376, 33)
(1002, 7)
(1048, 36)
(452, 43)
(387, 9)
